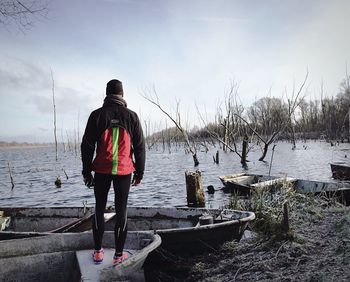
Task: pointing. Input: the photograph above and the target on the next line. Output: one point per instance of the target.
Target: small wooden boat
(181, 229)
(245, 184)
(22, 222)
(189, 230)
(340, 170)
(67, 257)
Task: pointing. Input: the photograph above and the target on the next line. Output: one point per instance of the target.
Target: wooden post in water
(216, 157)
(194, 187)
(244, 152)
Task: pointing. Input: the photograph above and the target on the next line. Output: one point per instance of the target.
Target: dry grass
(316, 247)
(268, 205)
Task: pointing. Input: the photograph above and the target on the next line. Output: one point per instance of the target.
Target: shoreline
(24, 145)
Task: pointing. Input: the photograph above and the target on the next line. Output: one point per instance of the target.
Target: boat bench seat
(242, 179)
(273, 182)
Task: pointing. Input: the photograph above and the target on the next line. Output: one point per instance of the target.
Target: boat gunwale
(247, 216)
(64, 245)
(215, 225)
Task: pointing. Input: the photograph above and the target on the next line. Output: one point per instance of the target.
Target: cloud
(19, 77)
(189, 50)
(30, 84)
(67, 100)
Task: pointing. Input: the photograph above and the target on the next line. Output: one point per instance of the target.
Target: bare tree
(344, 97)
(283, 123)
(22, 13)
(294, 102)
(217, 137)
(177, 121)
(54, 113)
(231, 124)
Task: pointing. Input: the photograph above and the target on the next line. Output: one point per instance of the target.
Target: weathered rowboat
(67, 257)
(21, 222)
(244, 184)
(340, 170)
(181, 229)
(241, 183)
(189, 229)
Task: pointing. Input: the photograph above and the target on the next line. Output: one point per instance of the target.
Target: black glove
(88, 179)
(136, 180)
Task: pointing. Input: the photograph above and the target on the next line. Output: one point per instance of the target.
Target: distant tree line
(22, 144)
(296, 118)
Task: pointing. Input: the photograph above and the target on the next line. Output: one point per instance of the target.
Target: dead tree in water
(58, 182)
(216, 157)
(222, 141)
(231, 125)
(226, 117)
(54, 113)
(293, 104)
(177, 123)
(291, 123)
(11, 178)
(346, 91)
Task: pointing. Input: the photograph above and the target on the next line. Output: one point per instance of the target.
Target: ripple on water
(35, 170)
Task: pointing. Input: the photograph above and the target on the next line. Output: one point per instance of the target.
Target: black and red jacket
(118, 134)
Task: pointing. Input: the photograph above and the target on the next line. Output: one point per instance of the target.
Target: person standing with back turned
(117, 132)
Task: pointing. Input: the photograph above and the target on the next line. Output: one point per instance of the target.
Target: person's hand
(136, 180)
(88, 179)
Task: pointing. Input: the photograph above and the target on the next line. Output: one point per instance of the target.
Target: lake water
(34, 171)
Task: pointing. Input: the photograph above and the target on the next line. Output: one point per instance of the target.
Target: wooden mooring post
(194, 188)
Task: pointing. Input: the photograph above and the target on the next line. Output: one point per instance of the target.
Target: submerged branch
(10, 172)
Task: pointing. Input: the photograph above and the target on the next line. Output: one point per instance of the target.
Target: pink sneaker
(97, 256)
(120, 259)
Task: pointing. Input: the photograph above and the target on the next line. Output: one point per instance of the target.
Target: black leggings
(121, 185)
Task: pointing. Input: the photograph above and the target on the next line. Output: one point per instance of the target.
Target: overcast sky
(190, 51)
